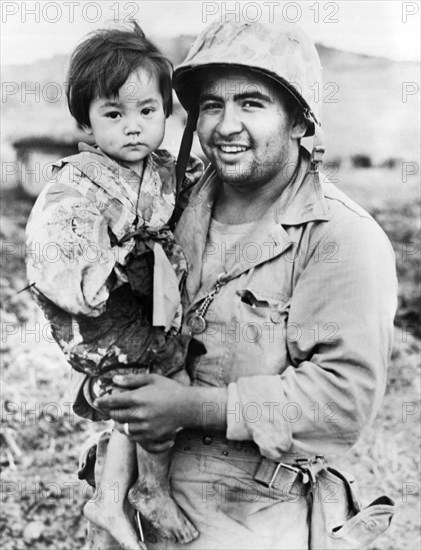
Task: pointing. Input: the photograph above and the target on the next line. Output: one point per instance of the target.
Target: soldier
(292, 289)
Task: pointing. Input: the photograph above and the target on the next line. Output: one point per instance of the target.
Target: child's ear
(87, 129)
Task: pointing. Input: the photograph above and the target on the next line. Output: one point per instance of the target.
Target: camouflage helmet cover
(287, 56)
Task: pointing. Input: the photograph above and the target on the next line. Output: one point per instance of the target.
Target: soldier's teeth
(232, 148)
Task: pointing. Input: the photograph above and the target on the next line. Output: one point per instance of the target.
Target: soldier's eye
(252, 103)
(210, 106)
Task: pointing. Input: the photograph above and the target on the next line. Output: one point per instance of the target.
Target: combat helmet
(285, 55)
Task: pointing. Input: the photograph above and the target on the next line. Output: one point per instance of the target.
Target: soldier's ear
(298, 127)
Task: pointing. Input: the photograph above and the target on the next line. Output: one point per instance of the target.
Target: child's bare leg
(151, 496)
(108, 507)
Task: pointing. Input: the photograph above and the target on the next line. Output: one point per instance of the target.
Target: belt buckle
(276, 472)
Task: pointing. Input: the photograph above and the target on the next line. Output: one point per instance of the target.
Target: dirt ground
(41, 496)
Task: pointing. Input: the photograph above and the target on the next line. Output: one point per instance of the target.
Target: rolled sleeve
(237, 429)
(341, 318)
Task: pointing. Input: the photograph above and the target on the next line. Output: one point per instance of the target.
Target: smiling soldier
(303, 325)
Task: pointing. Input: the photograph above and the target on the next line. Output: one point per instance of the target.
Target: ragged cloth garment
(104, 266)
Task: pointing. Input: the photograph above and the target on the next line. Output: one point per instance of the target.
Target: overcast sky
(38, 30)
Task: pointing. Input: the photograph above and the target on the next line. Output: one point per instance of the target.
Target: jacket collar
(120, 182)
(301, 202)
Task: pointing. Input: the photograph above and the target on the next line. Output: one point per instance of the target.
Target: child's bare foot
(159, 509)
(113, 520)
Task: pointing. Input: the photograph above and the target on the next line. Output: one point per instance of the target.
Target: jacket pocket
(268, 316)
(262, 325)
(337, 520)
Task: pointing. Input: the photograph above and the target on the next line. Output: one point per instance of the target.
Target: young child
(111, 291)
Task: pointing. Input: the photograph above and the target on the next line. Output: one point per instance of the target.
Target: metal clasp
(276, 472)
(310, 467)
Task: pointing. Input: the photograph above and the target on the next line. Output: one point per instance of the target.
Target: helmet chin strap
(185, 148)
(317, 152)
(318, 145)
(182, 161)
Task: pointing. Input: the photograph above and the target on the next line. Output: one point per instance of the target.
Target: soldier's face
(244, 129)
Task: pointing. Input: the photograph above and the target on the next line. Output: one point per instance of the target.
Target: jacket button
(370, 525)
(225, 453)
(276, 317)
(152, 538)
(207, 440)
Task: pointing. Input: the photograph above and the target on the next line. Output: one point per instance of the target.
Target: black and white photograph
(210, 275)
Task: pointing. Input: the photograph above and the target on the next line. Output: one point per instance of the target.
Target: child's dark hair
(102, 63)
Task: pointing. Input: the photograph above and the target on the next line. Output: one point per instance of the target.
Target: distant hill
(363, 109)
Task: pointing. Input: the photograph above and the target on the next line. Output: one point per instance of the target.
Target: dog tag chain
(197, 322)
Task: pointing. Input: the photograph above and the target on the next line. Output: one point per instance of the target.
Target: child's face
(132, 125)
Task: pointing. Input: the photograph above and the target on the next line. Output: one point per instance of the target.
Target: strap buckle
(316, 158)
(305, 470)
(310, 467)
(270, 473)
(277, 469)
